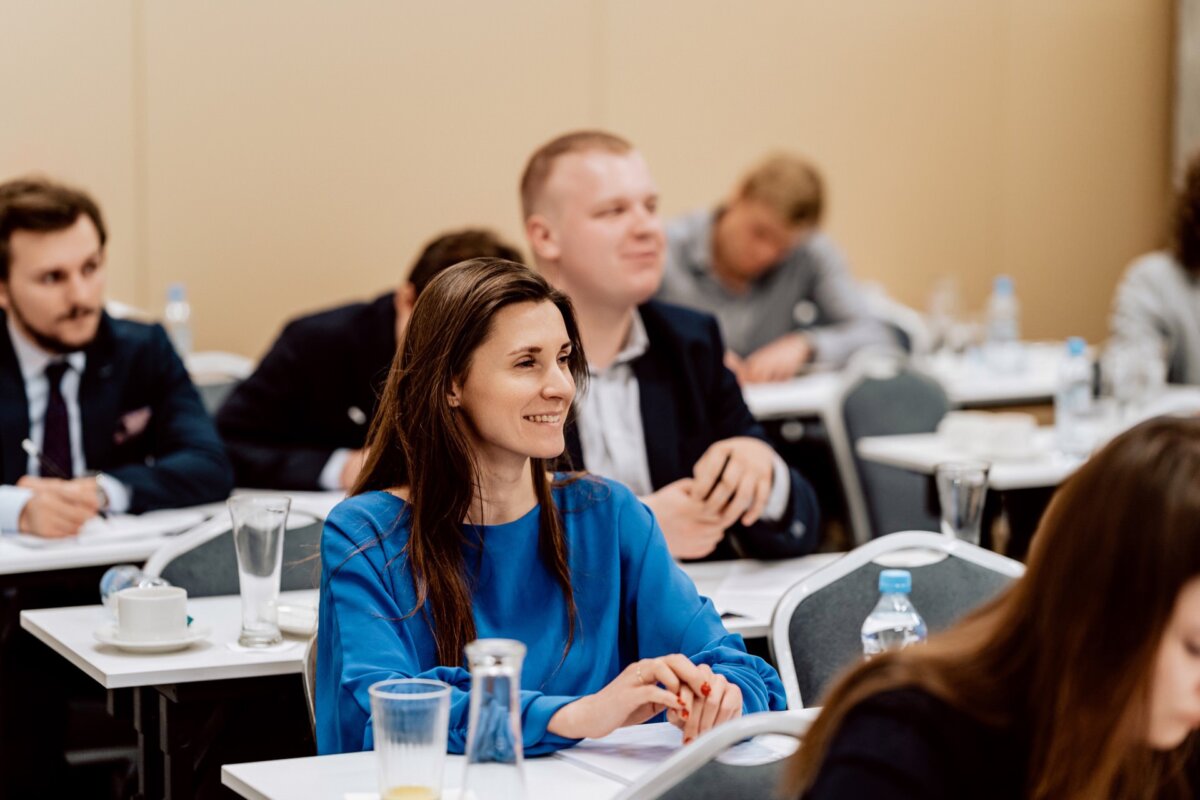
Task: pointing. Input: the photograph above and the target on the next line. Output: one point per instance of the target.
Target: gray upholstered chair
(216, 375)
(882, 394)
(203, 560)
(696, 772)
(816, 628)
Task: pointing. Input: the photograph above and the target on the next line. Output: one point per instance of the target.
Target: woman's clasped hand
(694, 697)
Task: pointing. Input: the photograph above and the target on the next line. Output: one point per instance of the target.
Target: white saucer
(110, 634)
(297, 620)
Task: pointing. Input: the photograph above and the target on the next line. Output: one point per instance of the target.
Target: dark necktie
(56, 439)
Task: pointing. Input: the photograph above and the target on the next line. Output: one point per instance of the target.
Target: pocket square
(131, 425)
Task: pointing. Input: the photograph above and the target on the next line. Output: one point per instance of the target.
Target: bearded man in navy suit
(107, 402)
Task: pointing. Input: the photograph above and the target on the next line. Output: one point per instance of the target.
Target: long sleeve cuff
(781, 489)
(12, 503)
(331, 475)
(116, 492)
(537, 739)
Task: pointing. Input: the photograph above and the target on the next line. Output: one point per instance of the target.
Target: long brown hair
(1064, 658)
(417, 440)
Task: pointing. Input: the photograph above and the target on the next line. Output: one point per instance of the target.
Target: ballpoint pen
(49, 467)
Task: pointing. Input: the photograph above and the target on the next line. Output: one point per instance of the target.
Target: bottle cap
(1076, 346)
(895, 580)
(1003, 284)
(176, 293)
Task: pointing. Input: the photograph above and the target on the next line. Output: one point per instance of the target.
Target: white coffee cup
(152, 613)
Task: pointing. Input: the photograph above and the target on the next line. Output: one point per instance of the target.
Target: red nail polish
(684, 713)
(688, 740)
(705, 689)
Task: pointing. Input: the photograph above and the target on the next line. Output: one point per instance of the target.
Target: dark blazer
(142, 419)
(315, 391)
(690, 400)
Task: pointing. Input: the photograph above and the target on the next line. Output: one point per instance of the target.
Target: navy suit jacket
(689, 401)
(171, 457)
(314, 392)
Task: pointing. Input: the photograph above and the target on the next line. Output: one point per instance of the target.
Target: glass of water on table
(962, 489)
(259, 522)
(410, 720)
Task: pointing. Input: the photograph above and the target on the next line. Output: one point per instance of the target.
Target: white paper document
(120, 527)
(628, 753)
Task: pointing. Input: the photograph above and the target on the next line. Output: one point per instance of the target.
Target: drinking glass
(410, 718)
(258, 525)
(962, 488)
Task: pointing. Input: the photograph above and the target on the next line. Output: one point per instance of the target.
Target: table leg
(204, 725)
(150, 757)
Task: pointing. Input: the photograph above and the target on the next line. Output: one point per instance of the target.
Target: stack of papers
(122, 527)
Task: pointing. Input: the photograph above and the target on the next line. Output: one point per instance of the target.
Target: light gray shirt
(810, 290)
(33, 362)
(1158, 302)
(611, 434)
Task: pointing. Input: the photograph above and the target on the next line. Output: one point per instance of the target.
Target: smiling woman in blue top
(456, 531)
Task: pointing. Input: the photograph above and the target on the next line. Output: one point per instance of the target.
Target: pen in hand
(49, 467)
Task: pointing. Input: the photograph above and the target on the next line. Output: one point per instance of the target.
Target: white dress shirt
(33, 362)
(611, 434)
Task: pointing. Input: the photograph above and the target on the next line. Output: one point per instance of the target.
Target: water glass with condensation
(410, 718)
(259, 522)
(962, 489)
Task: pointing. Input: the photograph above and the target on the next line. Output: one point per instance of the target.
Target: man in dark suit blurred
(119, 427)
(108, 402)
(662, 414)
(300, 421)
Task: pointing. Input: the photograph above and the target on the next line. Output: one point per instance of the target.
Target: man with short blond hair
(777, 284)
(662, 414)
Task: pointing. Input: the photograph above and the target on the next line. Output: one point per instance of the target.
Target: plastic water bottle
(895, 623)
(1073, 401)
(178, 318)
(1003, 347)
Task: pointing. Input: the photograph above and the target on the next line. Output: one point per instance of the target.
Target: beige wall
(283, 155)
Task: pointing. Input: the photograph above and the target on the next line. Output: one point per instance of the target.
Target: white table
(746, 592)
(968, 381)
(174, 698)
(333, 777)
(595, 769)
(1046, 467)
(68, 631)
(17, 557)
(922, 452)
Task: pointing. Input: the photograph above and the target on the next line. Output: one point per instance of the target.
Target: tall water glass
(962, 488)
(410, 718)
(258, 525)
(495, 755)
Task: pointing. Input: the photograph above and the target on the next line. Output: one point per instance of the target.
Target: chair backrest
(883, 394)
(816, 628)
(218, 364)
(695, 773)
(310, 681)
(204, 562)
(906, 324)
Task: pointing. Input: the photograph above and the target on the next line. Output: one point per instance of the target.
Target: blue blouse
(633, 602)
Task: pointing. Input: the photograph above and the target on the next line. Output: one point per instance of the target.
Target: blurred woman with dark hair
(456, 531)
(1081, 681)
(1157, 304)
